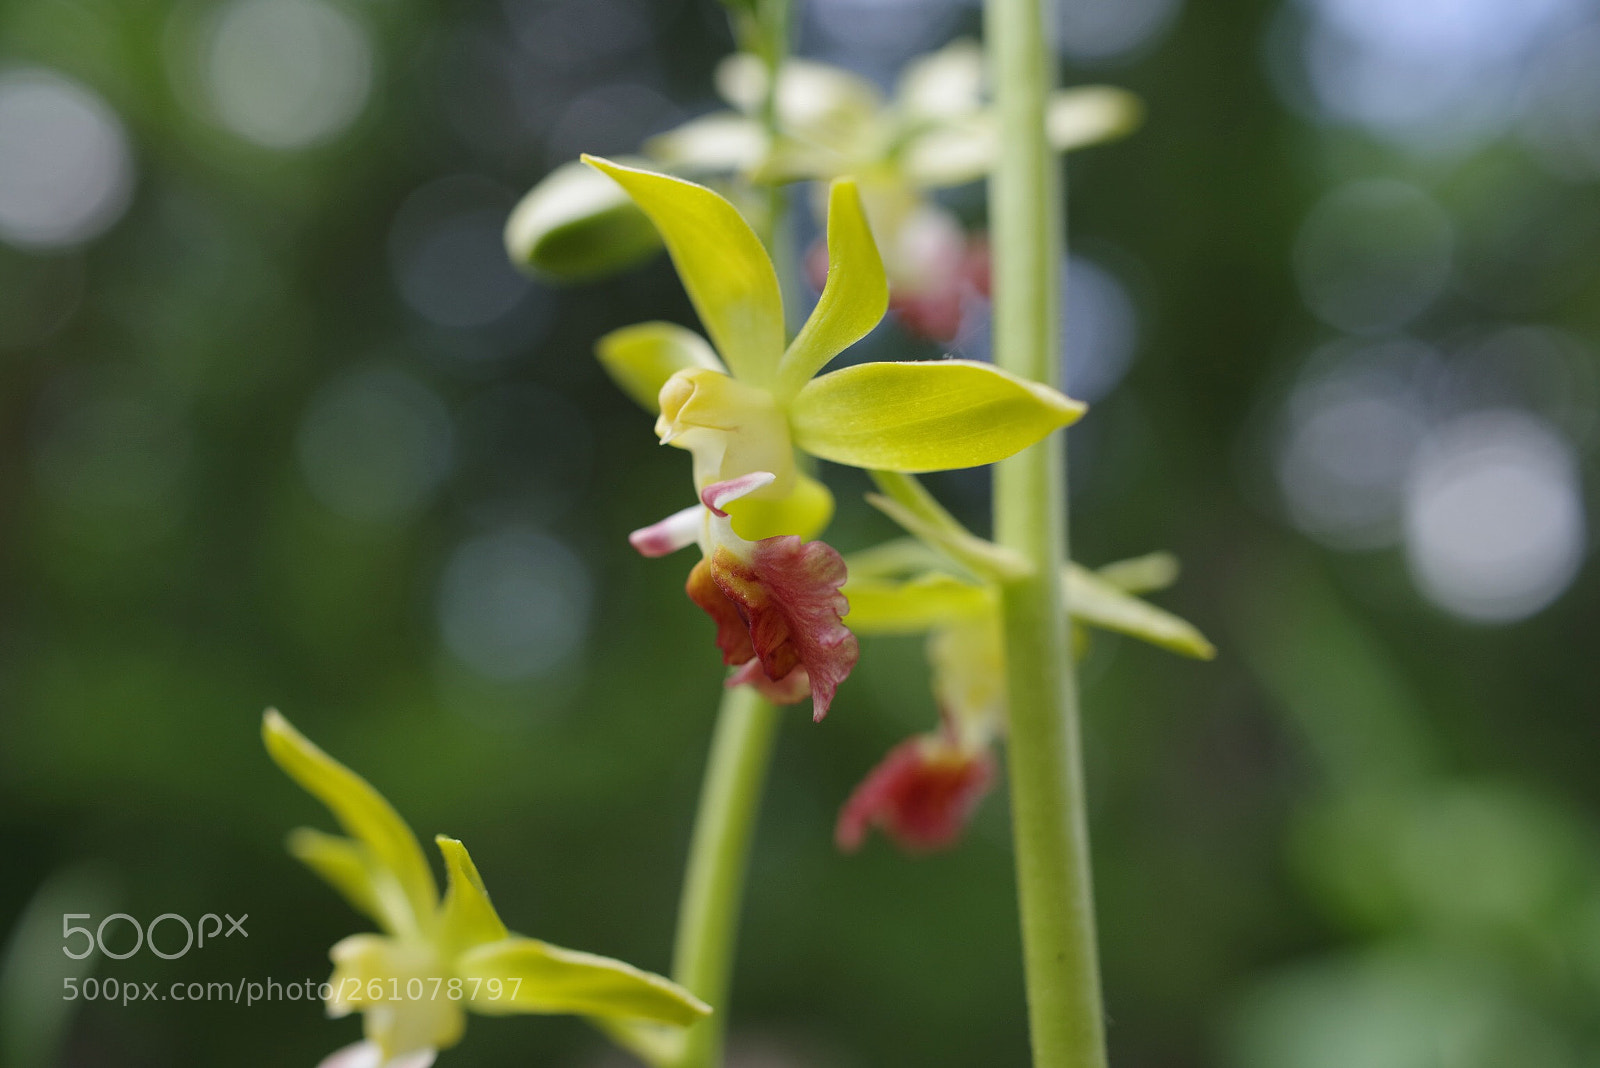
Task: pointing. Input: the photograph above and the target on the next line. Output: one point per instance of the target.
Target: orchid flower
(438, 958)
(936, 133)
(925, 790)
(744, 402)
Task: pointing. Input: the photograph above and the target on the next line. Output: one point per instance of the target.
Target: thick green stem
(1044, 751)
(713, 886)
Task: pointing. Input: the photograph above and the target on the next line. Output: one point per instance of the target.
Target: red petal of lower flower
(787, 591)
(922, 795)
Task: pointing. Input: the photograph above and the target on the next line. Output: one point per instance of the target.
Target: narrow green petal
(1093, 600)
(575, 225)
(343, 865)
(556, 980)
(928, 416)
(641, 358)
(363, 812)
(727, 274)
(896, 558)
(913, 606)
(1089, 115)
(723, 142)
(469, 918)
(942, 84)
(854, 298)
(963, 149)
(1142, 574)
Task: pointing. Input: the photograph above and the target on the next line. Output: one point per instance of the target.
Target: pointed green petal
(1142, 574)
(854, 298)
(724, 269)
(343, 865)
(1093, 600)
(468, 917)
(1090, 115)
(964, 149)
(719, 143)
(913, 606)
(896, 558)
(363, 812)
(928, 416)
(567, 981)
(576, 224)
(641, 358)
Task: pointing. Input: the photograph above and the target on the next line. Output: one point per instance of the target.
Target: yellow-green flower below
(435, 959)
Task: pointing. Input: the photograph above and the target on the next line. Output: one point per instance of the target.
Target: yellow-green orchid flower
(925, 789)
(436, 959)
(742, 403)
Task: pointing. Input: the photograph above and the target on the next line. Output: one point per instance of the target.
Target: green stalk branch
(713, 885)
(1049, 810)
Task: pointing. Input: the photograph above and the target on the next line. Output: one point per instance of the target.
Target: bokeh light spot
(1494, 519)
(514, 603)
(287, 73)
(66, 173)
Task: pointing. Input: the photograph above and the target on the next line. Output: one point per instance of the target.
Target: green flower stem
(713, 886)
(1044, 751)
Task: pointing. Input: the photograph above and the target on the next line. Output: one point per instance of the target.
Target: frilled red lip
(922, 795)
(778, 604)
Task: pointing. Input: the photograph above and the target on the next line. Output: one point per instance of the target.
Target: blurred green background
(281, 428)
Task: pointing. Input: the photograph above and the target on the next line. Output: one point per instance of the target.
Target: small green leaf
(576, 225)
(1091, 599)
(727, 274)
(361, 811)
(641, 358)
(468, 917)
(928, 416)
(343, 865)
(854, 298)
(567, 981)
(915, 605)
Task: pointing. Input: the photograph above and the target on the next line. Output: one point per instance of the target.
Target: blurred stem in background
(713, 885)
(1047, 790)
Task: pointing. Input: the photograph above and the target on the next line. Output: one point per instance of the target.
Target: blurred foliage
(290, 432)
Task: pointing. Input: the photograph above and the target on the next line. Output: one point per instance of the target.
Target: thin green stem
(1049, 810)
(713, 885)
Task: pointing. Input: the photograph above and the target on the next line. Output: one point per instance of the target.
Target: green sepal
(642, 357)
(727, 274)
(467, 917)
(854, 298)
(925, 416)
(577, 225)
(556, 980)
(1091, 599)
(363, 812)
